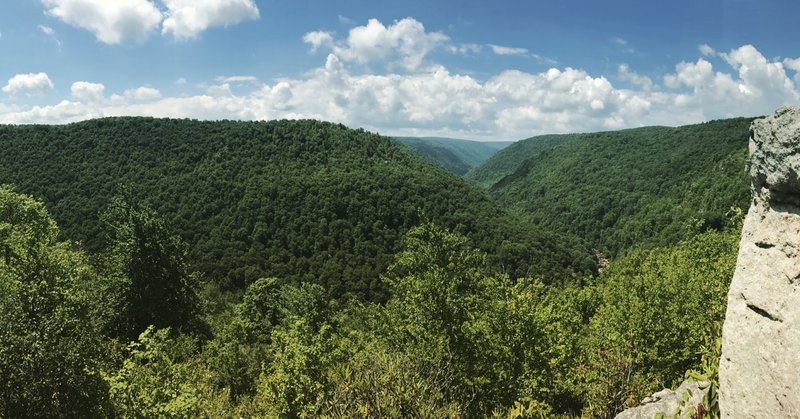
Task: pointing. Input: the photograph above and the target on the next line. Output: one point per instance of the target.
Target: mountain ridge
(300, 200)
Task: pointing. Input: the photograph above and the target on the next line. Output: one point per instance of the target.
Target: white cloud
(51, 33)
(623, 44)
(143, 93)
(436, 101)
(47, 30)
(501, 50)
(404, 43)
(792, 63)
(318, 39)
(112, 22)
(758, 86)
(30, 84)
(706, 50)
(626, 74)
(119, 21)
(87, 92)
(544, 60)
(344, 20)
(464, 49)
(238, 79)
(185, 19)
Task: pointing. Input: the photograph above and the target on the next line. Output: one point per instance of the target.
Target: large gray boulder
(760, 364)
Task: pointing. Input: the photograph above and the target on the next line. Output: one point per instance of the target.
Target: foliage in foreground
(455, 339)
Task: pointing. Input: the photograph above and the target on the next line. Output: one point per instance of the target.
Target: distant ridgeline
(303, 201)
(507, 160)
(457, 156)
(643, 187)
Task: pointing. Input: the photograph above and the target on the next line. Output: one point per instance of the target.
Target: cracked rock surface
(760, 364)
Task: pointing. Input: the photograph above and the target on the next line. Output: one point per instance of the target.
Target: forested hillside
(304, 201)
(507, 160)
(126, 332)
(642, 187)
(364, 281)
(457, 156)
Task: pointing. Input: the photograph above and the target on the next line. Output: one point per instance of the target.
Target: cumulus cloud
(625, 73)
(792, 63)
(112, 22)
(30, 84)
(143, 93)
(87, 92)
(117, 21)
(405, 43)
(757, 86)
(318, 39)
(436, 101)
(501, 50)
(185, 19)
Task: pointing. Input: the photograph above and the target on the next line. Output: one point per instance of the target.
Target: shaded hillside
(507, 160)
(457, 156)
(641, 187)
(299, 200)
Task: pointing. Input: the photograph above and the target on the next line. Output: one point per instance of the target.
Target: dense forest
(169, 268)
(643, 187)
(301, 200)
(457, 156)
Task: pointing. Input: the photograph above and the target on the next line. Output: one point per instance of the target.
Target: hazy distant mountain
(507, 160)
(457, 156)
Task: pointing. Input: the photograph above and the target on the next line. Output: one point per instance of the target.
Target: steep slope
(457, 156)
(299, 200)
(641, 187)
(508, 160)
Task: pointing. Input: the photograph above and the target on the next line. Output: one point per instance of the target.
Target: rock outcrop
(760, 364)
(685, 401)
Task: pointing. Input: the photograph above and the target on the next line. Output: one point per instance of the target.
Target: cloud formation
(117, 21)
(404, 43)
(501, 50)
(433, 100)
(30, 84)
(185, 19)
(111, 22)
(87, 92)
(143, 94)
(50, 33)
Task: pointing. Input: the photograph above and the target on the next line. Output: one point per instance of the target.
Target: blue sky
(469, 69)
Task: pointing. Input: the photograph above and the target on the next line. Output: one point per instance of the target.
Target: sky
(475, 69)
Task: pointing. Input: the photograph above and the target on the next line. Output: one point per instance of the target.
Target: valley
(303, 257)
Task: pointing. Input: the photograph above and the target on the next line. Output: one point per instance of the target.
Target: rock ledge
(760, 364)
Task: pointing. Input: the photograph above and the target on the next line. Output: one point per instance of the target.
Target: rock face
(684, 401)
(760, 364)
